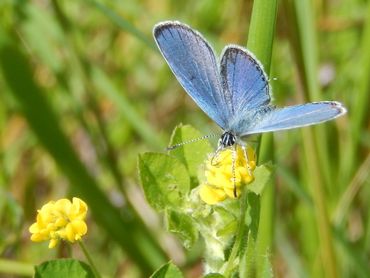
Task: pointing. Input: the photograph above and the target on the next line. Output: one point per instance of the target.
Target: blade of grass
(291, 257)
(353, 188)
(359, 110)
(124, 24)
(293, 184)
(316, 155)
(260, 42)
(316, 185)
(136, 121)
(354, 257)
(304, 45)
(133, 237)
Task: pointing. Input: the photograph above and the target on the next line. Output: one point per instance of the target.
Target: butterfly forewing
(194, 64)
(244, 79)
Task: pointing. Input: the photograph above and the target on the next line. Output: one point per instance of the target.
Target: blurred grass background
(83, 90)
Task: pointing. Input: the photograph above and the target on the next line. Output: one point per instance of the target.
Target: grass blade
(124, 24)
(133, 118)
(359, 110)
(314, 143)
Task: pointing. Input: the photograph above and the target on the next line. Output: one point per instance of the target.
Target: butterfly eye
(227, 139)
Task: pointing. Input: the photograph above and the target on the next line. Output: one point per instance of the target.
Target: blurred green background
(83, 90)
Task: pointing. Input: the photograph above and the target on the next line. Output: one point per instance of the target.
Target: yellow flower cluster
(220, 179)
(60, 220)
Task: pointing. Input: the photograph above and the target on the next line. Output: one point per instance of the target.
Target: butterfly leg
(215, 155)
(233, 161)
(244, 148)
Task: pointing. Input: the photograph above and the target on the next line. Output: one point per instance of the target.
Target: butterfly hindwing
(275, 119)
(194, 64)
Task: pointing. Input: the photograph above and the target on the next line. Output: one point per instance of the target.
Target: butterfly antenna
(173, 147)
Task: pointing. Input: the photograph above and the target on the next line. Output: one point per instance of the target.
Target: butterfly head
(227, 139)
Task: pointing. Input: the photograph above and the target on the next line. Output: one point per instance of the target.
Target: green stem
(260, 42)
(267, 203)
(89, 259)
(262, 30)
(239, 236)
(16, 268)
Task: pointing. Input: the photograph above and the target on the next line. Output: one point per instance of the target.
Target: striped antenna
(170, 148)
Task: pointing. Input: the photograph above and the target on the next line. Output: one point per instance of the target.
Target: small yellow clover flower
(220, 177)
(60, 220)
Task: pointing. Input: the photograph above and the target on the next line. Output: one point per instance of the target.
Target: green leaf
(165, 180)
(183, 226)
(63, 268)
(253, 212)
(169, 270)
(262, 176)
(214, 275)
(192, 154)
(229, 229)
(43, 35)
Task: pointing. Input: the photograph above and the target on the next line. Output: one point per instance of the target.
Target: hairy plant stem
(239, 236)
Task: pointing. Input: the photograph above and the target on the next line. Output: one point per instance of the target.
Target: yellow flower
(220, 179)
(58, 220)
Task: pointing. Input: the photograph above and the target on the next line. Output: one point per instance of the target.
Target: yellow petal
(78, 209)
(53, 242)
(60, 222)
(69, 235)
(34, 228)
(79, 204)
(230, 192)
(79, 227)
(63, 206)
(248, 179)
(38, 237)
(211, 195)
(219, 182)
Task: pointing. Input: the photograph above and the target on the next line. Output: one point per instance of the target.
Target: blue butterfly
(234, 93)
